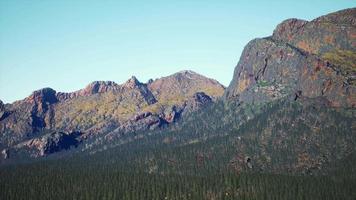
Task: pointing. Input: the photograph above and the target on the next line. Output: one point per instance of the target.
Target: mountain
(283, 129)
(287, 109)
(105, 107)
(306, 59)
(303, 79)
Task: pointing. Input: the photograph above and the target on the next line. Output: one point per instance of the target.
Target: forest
(203, 157)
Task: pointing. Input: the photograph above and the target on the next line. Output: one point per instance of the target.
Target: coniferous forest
(191, 162)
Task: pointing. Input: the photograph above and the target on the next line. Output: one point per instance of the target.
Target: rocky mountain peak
(92, 88)
(312, 59)
(288, 28)
(186, 74)
(183, 85)
(132, 82)
(326, 34)
(45, 95)
(342, 17)
(98, 87)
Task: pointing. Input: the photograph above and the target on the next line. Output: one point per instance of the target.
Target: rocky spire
(132, 82)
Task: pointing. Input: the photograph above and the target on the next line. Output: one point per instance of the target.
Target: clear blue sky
(66, 44)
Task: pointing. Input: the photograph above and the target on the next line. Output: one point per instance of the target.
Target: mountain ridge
(105, 106)
(275, 68)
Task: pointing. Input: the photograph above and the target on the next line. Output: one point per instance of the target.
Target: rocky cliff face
(301, 59)
(49, 143)
(104, 107)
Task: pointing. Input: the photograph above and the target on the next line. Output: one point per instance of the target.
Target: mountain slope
(303, 58)
(285, 129)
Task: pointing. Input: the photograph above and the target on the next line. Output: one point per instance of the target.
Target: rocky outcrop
(133, 83)
(93, 88)
(183, 85)
(43, 96)
(50, 143)
(147, 122)
(42, 112)
(324, 34)
(150, 121)
(200, 98)
(197, 101)
(292, 62)
(23, 118)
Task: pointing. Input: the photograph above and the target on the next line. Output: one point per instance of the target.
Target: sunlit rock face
(301, 59)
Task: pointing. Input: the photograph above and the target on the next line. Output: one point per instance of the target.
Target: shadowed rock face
(49, 143)
(309, 59)
(103, 107)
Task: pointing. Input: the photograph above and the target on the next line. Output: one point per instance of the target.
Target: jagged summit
(104, 106)
(287, 28)
(99, 87)
(43, 95)
(132, 82)
(94, 87)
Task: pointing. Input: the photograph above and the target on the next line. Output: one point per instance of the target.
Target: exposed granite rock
(284, 64)
(342, 17)
(43, 96)
(132, 83)
(23, 118)
(41, 108)
(145, 122)
(93, 88)
(50, 143)
(288, 29)
(324, 34)
(197, 101)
